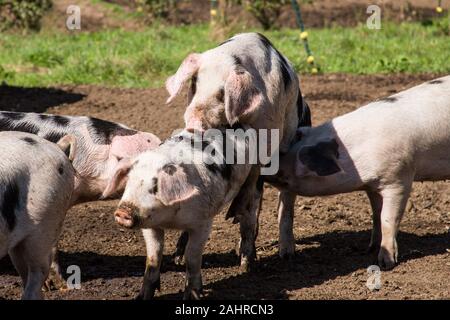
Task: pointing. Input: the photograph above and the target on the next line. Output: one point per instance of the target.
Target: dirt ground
(332, 233)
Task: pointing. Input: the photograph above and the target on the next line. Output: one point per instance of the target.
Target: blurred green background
(139, 43)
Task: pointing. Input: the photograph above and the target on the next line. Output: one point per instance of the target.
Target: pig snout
(194, 126)
(125, 216)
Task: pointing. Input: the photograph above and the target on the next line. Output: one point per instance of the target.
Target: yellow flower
(303, 35)
(310, 59)
(439, 9)
(139, 9)
(314, 70)
(213, 12)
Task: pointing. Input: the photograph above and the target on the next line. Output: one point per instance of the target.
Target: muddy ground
(332, 233)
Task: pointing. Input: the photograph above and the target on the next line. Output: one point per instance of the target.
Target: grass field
(144, 59)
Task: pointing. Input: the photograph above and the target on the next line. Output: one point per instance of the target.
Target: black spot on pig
(44, 117)
(10, 203)
(29, 140)
(265, 42)
(287, 79)
(53, 136)
(10, 124)
(154, 188)
(13, 115)
(170, 169)
(199, 145)
(24, 127)
(389, 99)
(225, 42)
(105, 131)
(303, 112)
(438, 81)
(321, 158)
(237, 61)
(60, 120)
(225, 170)
(284, 65)
(260, 183)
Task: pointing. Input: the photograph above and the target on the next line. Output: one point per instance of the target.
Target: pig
(244, 80)
(102, 146)
(35, 193)
(164, 190)
(249, 226)
(380, 148)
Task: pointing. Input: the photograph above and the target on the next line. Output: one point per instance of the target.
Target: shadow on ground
(328, 256)
(22, 99)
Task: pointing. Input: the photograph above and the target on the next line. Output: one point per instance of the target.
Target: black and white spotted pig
(167, 190)
(36, 188)
(381, 148)
(102, 146)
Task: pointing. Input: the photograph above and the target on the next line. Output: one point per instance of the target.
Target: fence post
(304, 37)
(214, 12)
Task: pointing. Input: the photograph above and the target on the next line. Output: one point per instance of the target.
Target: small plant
(156, 9)
(5, 76)
(23, 14)
(265, 11)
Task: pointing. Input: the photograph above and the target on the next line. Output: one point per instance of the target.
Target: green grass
(145, 59)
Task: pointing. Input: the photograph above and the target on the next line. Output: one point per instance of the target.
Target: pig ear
(242, 98)
(173, 185)
(119, 178)
(188, 68)
(320, 159)
(68, 146)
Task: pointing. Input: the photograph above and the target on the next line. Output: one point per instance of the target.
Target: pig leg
(376, 202)
(286, 210)
(193, 260)
(245, 210)
(394, 203)
(154, 242)
(55, 279)
(248, 224)
(180, 248)
(37, 255)
(17, 257)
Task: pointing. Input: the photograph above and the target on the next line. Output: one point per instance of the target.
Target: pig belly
(433, 168)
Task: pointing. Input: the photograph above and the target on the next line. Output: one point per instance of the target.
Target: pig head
(245, 80)
(106, 160)
(153, 192)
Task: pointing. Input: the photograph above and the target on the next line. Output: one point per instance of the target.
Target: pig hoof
(178, 260)
(287, 252)
(246, 265)
(386, 260)
(192, 294)
(54, 282)
(148, 290)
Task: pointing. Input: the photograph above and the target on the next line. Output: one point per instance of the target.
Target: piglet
(180, 185)
(381, 148)
(35, 194)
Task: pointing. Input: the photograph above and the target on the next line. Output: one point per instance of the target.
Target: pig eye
(220, 95)
(194, 85)
(119, 158)
(154, 189)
